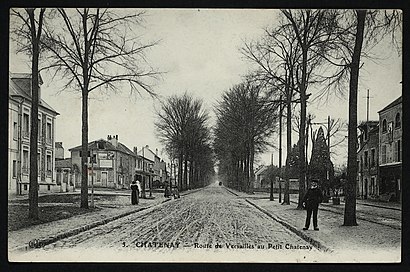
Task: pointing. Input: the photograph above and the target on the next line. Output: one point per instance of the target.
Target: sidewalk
(367, 242)
(55, 230)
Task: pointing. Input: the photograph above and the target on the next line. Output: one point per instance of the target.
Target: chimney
(113, 140)
(156, 151)
(135, 150)
(109, 137)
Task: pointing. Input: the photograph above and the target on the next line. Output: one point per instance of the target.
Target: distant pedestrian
(138, 187)
(134, 193)
(311, 201)
(167, 191)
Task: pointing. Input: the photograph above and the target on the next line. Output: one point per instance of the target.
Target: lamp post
(143, 174)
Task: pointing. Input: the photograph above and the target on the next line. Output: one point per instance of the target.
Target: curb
(38, 243)
(324, 208)
(299, 233)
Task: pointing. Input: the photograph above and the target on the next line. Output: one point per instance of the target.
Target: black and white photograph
(204, 135)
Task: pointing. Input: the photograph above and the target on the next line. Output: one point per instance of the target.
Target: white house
(19, 137)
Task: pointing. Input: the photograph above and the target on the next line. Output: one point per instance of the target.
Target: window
(361, 163)
(49, 165)
(25, 161)
(390, 127)
(26, 125)
(397, 151)
(39, 130)
(366, 158)
(15, 132)
(384, 148)
(373, 158)
(398, 120)
(384, 125)
(49, 133)
(14, 169)
(39, 162)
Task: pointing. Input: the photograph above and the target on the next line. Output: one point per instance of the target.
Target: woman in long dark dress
(134, 192)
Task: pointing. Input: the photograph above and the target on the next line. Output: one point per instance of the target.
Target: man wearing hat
(311, 201)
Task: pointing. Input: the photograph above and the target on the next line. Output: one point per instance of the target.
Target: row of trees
(320, 50)
(183, 127)
(88, 50)
(245, 121)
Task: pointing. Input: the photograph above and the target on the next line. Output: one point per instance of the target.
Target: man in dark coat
(311, 201)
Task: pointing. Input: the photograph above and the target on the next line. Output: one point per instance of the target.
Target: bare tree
(276, 56)
(30, 32)
(245, 121)
(182, 126)
(357, 32)
(97, 49)
(313, 30)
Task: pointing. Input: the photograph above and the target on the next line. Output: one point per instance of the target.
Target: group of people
(311, 199)
(136, 190)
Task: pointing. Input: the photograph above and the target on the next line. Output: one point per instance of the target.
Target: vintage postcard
(205, 135)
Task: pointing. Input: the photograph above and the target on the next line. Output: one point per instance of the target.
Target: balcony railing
(25, 170)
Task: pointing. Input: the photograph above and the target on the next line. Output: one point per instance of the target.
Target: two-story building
(145, 169)
(111, 164)
(368, 156)
(390, 147)
(20, 93)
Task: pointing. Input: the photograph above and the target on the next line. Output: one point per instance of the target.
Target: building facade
(390, 146)
(19, 137)
(368, 157)
(110, 163)
(146, 169)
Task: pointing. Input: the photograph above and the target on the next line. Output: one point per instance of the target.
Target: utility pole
(280, 150)
(367, 114)
(92, 178)
(143, 174)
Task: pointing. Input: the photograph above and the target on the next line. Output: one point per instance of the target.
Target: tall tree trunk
(33, 189)
(84, 151)
(185, 173)
(302, 138)
(84, 139)
(350, 206)
(180, 162)
(286, 198)
(251, 172)
(33, 178)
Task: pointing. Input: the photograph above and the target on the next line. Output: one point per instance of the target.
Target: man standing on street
(311, 201)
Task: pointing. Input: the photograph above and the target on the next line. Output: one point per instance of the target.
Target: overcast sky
(199, 50)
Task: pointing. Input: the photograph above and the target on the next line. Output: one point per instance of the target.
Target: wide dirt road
(195, 224)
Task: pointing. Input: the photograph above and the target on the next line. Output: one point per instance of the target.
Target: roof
(108, 146)
(59, 145)
(261, 170)
(369, 123)
(392, 104)
(20, 85)
(66, 163)
(148, 153)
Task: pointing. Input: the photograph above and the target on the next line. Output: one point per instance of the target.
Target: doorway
(104, 177)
